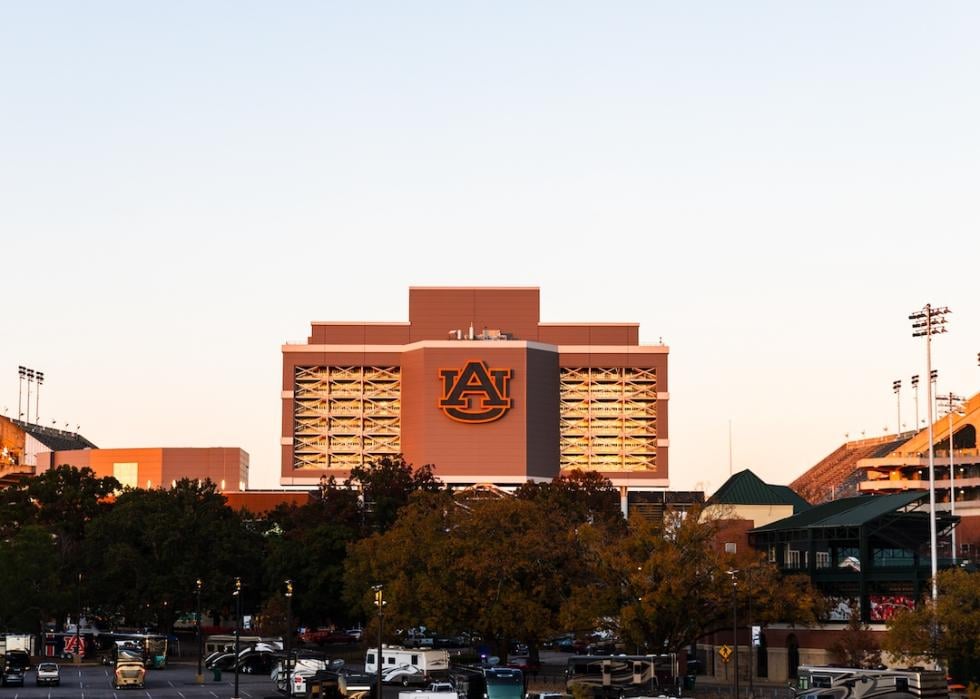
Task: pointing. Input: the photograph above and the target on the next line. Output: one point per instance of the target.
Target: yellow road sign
(725, 652)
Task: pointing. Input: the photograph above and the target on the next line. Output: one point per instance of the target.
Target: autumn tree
(578, 497)
(663, 585)
(956, 621)
(498, 567)
(858, 646)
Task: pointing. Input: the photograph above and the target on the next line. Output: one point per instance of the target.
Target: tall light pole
(733, 573)
(78, 619)
(37, 397)
(926, 323)
(198, 584)
(379, 602)
(288, 635)
(238, 629)
(951, 403)
(897, 388)
(22, 374)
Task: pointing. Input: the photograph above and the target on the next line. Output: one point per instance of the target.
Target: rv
(407, 666)
(621, 675)
(852, 683)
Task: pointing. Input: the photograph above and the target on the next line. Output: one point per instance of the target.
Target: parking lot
(177, 680)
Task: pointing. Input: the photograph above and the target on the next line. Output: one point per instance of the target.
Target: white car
(49, 674)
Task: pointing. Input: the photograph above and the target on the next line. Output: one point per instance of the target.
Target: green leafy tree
(30, 588)
(308, 545)
(61, 501)
(153, 546)
(386, 486)
(956, 617)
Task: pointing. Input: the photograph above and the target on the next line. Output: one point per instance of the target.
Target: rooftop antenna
(729, 447)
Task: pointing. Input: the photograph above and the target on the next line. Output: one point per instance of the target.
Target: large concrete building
(477, 386)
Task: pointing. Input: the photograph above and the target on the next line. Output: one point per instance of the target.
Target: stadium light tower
(926, 323)
(915, 390)
(952, 404)
(897, 388)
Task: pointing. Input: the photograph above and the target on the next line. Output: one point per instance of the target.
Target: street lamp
(78, 607)
(733, 573)
(926, 323)
(289, 633)
(238, 629)
(200, 638)
(379, 602)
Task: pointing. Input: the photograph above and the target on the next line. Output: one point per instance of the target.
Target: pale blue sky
(770, 187)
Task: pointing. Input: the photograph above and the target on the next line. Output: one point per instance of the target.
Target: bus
(152, 648)
(614, 676)
(482, 682)
(815, 682)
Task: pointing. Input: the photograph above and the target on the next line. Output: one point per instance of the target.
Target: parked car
(257, 662)
(49, 674)
(13, 675)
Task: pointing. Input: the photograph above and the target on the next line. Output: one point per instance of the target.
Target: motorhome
(621, 675)
(815, 682)
(405, 666)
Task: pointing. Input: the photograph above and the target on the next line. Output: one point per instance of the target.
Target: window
(127, 474)
(792, 558)
(823, 559)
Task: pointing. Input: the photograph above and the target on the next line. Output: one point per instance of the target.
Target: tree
(308, 545)
(61, 502)
(29, 585)
(497, 567)
(858, 646)
(956, 618)
(662, 586)
(386, 486)
(578, 497)
(154, 544)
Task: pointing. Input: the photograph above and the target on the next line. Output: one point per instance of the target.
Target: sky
(770, 188)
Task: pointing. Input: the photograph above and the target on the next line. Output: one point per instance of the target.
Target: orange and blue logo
(475, 393)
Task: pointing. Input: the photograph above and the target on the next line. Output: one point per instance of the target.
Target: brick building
(476, 385)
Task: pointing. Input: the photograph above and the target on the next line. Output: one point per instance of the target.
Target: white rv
(407, 666)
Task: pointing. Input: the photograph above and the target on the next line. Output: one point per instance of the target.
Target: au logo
(475, 393)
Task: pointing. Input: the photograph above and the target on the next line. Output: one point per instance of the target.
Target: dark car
(258, 663)
(13, 675)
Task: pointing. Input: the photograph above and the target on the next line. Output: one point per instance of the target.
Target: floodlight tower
(926, 323)
(897, 388)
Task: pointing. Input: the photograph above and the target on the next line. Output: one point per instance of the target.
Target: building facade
(157, 467)
(477, 386)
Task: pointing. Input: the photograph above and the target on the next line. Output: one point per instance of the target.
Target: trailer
(614, 676)
(406, 666)
(816, 682)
